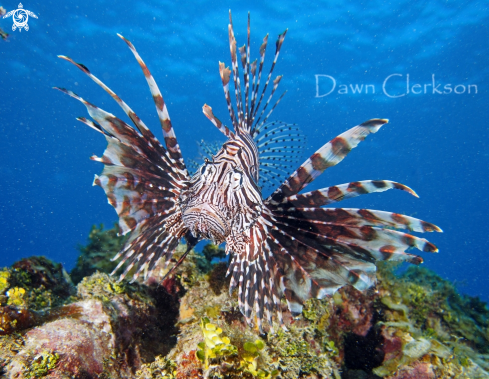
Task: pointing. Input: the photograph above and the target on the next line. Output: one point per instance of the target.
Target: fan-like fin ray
(357, 218)
(217, 123)
(338, 193)
(129, 112)
(327, 156)
(166, 125)
(278, 45)
(237, 83)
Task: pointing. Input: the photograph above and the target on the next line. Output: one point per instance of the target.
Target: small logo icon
(20, 17)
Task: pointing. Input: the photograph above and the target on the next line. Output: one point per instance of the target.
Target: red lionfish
(282, 246)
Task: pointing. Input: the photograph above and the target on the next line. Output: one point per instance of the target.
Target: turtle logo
(20, 17)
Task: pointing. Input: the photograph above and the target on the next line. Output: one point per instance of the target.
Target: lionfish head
(222, 197)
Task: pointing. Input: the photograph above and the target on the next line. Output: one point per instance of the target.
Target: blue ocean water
(424, 66)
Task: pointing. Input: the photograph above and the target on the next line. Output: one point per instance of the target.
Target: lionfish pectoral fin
(166, 125)
(327, 156)
(304, 253)
(280, 146)
(142, 179)
(191, 242)
(152, 245)
(334, 194)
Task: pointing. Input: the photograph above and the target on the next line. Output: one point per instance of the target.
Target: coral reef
(28, 290)
(429, 330)
(111, 329)
(413, 325)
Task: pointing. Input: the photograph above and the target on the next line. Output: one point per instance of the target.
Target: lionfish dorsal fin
(237, 83)
(276, 81)
(247, 110)
(217, 123)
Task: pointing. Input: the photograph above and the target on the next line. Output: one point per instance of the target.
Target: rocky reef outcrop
(89, 325)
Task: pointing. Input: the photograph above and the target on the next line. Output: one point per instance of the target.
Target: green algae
(214, 346)
(41, 365)
(296, 357)
(212, 251)
(96, 255)
(249, 360)
(16, 297)
(433, 321)
(103, 287)
(161, 368)
(4, 280)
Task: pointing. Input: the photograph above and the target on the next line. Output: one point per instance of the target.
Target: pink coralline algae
(84, 341)
(420, 370)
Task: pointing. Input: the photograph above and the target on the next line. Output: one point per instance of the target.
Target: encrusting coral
(28, 290)
(413, 325)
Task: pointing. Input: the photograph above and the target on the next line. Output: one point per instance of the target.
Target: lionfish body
(283, 246)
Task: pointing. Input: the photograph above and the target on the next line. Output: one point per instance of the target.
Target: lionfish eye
(236, 179)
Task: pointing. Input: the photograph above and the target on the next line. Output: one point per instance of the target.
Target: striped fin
(276, 82)
(334, 194)
(94, 126)
(129, 112)
(237, 84)
(308, 272)
(142, 181)
(253, 272)
(369, 243)
(135, 195)
(278, 45)
(356, 217)
(145, 251)
(127, 143)
(166, 125)
(148, 137)
(254, 95)
(225, 74)
(246, 111)
(245, 62)
(310, 253)
(217, 123)
(327, 156)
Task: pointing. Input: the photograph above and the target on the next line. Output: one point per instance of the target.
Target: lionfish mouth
(205, 221)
